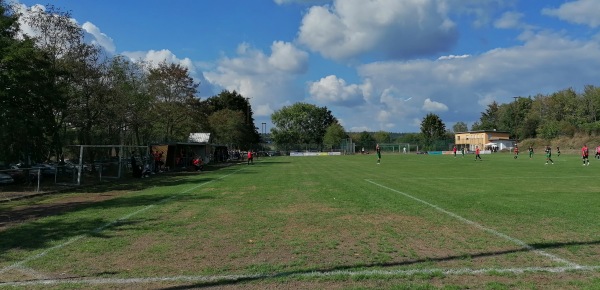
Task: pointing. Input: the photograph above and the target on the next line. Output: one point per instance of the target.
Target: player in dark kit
(378, 150)
(530, 152)
(548, 155)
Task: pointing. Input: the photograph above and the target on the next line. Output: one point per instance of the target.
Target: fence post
(39, 177)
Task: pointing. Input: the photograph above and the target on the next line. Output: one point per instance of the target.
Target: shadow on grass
(358, 267)
(39, 233)
(29, 233)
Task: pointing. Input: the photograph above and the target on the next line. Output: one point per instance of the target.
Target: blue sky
(376, 64)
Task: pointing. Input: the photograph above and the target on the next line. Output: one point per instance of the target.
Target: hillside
(569, 145)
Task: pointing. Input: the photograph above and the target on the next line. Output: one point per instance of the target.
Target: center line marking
(481, 227)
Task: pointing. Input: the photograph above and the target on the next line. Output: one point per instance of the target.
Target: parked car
(23, 174)
(45, 169)
(6, 178)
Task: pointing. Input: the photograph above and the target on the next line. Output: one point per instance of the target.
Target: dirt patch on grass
(58, 205)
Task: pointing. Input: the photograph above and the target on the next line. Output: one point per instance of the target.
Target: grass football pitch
(330, 222)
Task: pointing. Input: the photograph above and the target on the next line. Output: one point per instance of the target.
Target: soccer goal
(395, 148)
(347, 146)
(404, 148)
(99, 162)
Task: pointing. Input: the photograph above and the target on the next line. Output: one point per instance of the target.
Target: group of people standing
(547, 151)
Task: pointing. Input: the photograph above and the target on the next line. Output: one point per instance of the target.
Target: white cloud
(580, 12)
(154, 57)
(509, 20)
(461, 88)
(360, 129)
(92, 33)
(100, 38)
(453, 56)
(390, 29)
(266, 79)
(333, 90)
(286, 57)
(263, 110)
(384, 116)
(315, 2)
(432, 106)
(25, 11)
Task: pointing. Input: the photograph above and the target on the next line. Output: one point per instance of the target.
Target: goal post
(404, 148)
(395, 148)
(108, 161)
(347, 146)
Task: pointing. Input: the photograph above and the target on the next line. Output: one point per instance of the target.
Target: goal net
(395, 148)
(98, 162)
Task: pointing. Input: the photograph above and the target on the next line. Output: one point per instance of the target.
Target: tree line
(562, 113)
(57, 90)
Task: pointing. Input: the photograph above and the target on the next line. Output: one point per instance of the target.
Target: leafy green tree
(365, 140)
(528, 127)
(432, 129)
(512, 116)
(62, 41)
(460, 127)
(382, 137)
(334, 135)
(563, 105)
(235, 102)
(173, 90)
(228, 126)
(589, 108)
(132, 102)
(26, 95)
(301, 123)
(410, 138)
(489, 119)
(549, 130)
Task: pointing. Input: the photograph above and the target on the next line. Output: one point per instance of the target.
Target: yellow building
(486, 140)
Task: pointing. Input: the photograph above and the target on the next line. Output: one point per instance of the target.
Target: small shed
(179, 155)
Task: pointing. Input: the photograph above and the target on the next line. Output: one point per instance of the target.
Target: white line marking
(481, 227)
(233, 278)
(103, 227)
(497, 177)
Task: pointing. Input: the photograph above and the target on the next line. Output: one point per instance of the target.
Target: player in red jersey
(477, 153)
(585, 155)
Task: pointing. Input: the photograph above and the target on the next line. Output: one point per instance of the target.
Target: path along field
(414, 221)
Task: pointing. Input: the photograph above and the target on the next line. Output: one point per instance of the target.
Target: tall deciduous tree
(233, 101)
(228, 126)
(489, 119)
(382, 136)
(334, 135)
(62, 40)
(460, 127)
(432, 129)
(26, 94)
(301, 123)
(132, 102)
(174, 90)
